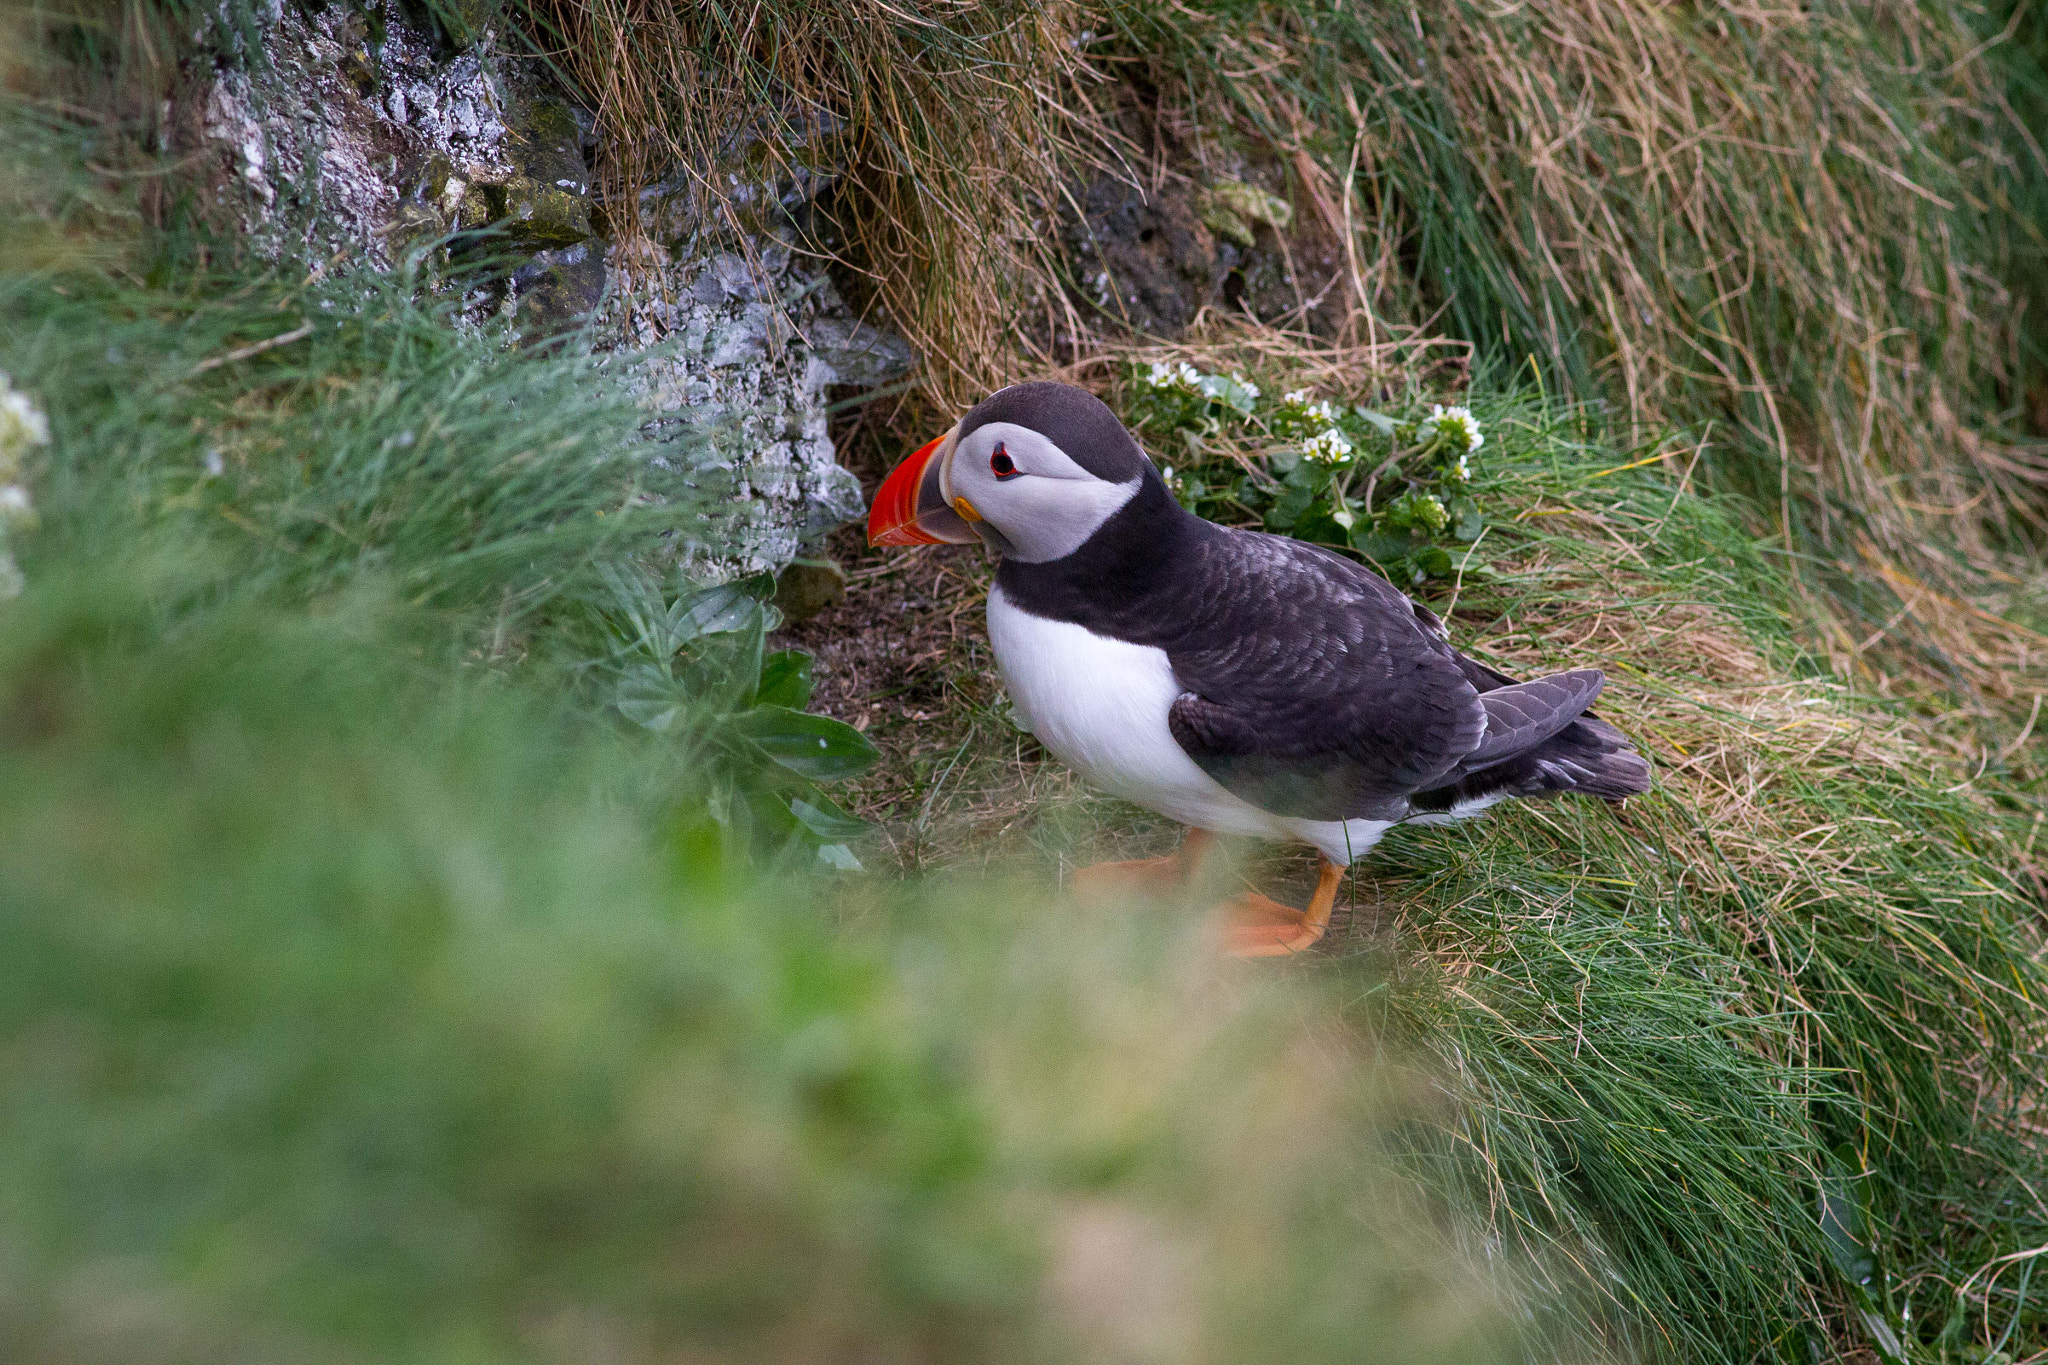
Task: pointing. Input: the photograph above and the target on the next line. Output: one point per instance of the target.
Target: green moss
(1235, 210)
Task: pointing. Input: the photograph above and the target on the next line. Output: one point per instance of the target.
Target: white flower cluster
(22, 426)
(1183, 376)
(1328, 446)
(1300, 406)
(1458, 426)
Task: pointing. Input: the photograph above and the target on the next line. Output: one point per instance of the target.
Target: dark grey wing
(1314, 689)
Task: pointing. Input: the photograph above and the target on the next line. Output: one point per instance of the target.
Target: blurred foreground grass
(354, 1010)
(374, 990)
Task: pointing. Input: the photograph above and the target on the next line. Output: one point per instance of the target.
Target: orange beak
(910, 507)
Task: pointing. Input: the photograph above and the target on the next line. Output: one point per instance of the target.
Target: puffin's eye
(1001, 465)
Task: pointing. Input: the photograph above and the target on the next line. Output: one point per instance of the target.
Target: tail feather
(1521, 716)
(1588, 757)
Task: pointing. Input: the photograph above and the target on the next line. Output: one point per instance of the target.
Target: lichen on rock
(360, 135)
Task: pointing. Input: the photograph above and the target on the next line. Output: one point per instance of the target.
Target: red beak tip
(893, 519)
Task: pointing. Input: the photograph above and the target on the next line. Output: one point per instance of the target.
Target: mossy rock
(558, 289)
(532, 214)
(809, 586)
(1235, 210)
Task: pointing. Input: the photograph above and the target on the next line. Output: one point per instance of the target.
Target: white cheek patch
(1049, 508)
(1056, 517)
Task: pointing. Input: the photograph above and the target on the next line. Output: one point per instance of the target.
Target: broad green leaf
(1378, 421)
(1379, 547)
(1466, 520)
(816, 746)
(1313, 475)
(1845, 1221)
(771, 814)
(711, 611)
(839, 857)
(785, 680)
(649, 696)
(1287, 510)
(822, 817)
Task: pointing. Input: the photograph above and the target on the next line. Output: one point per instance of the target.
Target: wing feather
(1315, 689)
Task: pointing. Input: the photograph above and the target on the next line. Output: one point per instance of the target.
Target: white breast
(1100, 705)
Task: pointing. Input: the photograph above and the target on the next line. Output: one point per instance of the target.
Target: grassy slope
(1801, 970)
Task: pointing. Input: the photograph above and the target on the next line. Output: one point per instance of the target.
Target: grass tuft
(948, 123)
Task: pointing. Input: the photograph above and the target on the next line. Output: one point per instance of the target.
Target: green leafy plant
(1397, 489)
(697, 666)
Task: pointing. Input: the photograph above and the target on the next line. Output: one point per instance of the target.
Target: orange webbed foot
(1154, 878)
(1259, 926)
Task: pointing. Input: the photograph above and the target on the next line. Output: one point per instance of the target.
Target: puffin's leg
(1148, 876)
(1261, 927)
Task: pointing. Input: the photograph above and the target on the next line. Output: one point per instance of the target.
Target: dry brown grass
(1789, 223)
(949, 122)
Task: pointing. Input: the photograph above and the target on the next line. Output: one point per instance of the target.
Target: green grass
(1813, 230)
(1801, 974)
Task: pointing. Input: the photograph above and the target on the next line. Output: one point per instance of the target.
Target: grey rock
(863, 356)
(338, 148)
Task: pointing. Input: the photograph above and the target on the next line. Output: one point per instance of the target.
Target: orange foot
(1152, 877)
(1259, 926)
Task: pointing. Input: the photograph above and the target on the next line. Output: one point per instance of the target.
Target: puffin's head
(1032, 471)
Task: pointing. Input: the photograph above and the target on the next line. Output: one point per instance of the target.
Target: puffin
(1238, 683)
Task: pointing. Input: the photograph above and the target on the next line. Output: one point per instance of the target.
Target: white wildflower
(1458, 425)
(1251, 390)
(1303, 408)
(1461, 472)
(1180, 377)
(1429, 509)
(22, 426)
(1328, 446)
